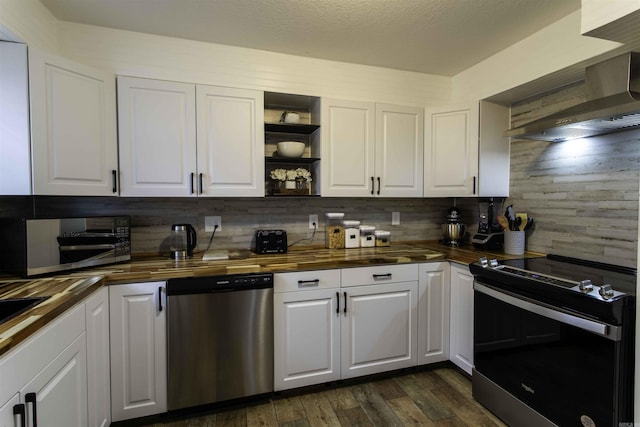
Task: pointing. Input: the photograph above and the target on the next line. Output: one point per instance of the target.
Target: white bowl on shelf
(291, 149)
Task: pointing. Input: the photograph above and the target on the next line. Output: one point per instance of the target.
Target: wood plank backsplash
(583, 194)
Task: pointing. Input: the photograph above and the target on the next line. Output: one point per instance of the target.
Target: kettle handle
(192, 237)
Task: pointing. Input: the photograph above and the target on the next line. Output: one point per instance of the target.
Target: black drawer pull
(31, 398)
(160, 298)
(192, 176)
(21, 411)
(373, 185)
(304, 283)
(338, 302)
(114, 174)
(345, 302)
(382, 276)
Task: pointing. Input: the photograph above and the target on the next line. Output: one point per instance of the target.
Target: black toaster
(269, 242)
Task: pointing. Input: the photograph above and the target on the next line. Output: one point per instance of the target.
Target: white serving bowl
(290, 148)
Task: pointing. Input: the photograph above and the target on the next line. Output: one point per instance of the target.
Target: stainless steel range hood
(613, 104)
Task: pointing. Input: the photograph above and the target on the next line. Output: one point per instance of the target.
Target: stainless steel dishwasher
(219, 338)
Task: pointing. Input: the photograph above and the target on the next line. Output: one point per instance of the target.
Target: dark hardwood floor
(432, 397)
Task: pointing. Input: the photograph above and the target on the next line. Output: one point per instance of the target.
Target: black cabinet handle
(21, 411)
(160, 298)
(474, 185)
(382, 276)
(200, 183)
(373, 186)
(303, 283)
(345, 302)
(114, 174)
(192, 176)
(378, 186)
(31, 398)
(338, 302)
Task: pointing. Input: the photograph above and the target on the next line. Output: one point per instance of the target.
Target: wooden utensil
(504, 223)
(523, 220)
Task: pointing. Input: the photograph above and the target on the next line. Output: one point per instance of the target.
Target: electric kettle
(183, 241)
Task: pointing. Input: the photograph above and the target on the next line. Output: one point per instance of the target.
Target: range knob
(585, 286)
(606, 291)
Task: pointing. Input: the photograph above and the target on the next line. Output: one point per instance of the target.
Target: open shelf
(297, 128)
(289, 160)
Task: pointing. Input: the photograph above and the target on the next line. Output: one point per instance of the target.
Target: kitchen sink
(11, 307)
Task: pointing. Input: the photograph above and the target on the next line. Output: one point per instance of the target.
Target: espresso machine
(489, 235)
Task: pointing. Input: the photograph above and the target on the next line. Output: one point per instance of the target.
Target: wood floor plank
(341, 398)
(354, 417)
(289, 409)
(200, 422)
(468, 412)
(319, 411)
(262, 415)
(424, 398)
(375, 406)
(232, 418)
(408, 412)
(388, 389)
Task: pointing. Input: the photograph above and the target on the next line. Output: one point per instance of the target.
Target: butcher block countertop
(65, 291)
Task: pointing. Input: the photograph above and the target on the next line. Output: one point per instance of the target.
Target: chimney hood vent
(613, 104)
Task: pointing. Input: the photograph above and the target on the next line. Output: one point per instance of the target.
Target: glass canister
(351, 233)
(367, 236)
(383, 238)
(334, 231)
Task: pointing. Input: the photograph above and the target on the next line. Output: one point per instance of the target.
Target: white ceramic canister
(351, 233)
(367, 236)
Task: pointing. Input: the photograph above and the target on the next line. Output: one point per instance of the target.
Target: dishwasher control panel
(222, 283)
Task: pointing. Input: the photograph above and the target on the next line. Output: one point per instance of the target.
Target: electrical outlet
(210, 222)
(313, 219)
(395, 218)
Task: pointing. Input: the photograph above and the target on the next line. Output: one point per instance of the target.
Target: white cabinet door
(157, 137)
(138, 350)
(493, 156)
(461, 346)
(73, 128)
(230, 141)
(98, 366)
(306, 338)
(451, 151)
(378, 329)
(58, 394)
(399, 151)
(433, 312)
(15, 156)
(348, 135)
(8, 416)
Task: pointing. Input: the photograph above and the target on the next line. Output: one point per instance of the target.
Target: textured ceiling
(440, 37)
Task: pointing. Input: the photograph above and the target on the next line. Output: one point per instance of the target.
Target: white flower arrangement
(291, 174)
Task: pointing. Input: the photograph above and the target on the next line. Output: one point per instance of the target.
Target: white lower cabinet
(57, 396)
(138, 350)
(378, 331)
(461, 335)
(98, 366)
(46, 376)
(325, 331)
(306, 328)
(434, 296)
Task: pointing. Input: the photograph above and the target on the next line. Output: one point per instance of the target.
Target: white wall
(28, 21)
(145, 55)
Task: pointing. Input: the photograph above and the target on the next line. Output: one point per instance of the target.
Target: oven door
(561, 365)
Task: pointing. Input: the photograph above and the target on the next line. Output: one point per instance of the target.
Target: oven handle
(614, 333)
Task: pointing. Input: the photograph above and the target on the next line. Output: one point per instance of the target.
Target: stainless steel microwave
(32, 247)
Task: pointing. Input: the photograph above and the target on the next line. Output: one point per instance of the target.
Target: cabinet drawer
(304, 280)
(379, 274)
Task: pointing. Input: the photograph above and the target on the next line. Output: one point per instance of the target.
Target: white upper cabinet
(466, 154)
(179, 139)
(157, 137)
(230, 139)
(399, 150)
(348, 132)
(451, 151)
(73, 128)
(15, 160)
(371, 149)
